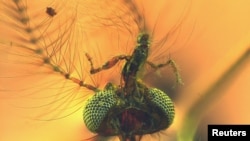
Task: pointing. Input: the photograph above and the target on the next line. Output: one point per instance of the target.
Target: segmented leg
(109, 64)
(172, 65)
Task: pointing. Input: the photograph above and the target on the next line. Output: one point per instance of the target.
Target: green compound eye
(108, 114)
(163, 102)
(97, 108)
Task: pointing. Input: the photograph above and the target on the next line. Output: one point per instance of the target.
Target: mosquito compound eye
(97, 108)
(163, 102)
(108, 114)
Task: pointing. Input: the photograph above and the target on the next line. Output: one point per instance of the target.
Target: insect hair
(44, 58)
(141, 27)
(56, 78)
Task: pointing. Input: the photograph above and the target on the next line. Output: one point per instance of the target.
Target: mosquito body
(130, 109)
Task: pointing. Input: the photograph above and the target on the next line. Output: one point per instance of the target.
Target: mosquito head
(143, 39)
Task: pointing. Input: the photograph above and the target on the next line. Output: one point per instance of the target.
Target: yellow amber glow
(214, 35)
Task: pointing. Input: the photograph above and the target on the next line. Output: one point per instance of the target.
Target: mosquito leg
(172, 64)
(109, 64)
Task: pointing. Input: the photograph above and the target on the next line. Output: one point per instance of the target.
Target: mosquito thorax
(136, 61)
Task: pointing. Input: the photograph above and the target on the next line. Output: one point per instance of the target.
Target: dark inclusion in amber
(50, 11)
(132, 108)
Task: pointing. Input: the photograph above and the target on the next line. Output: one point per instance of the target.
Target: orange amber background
(220, 36)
